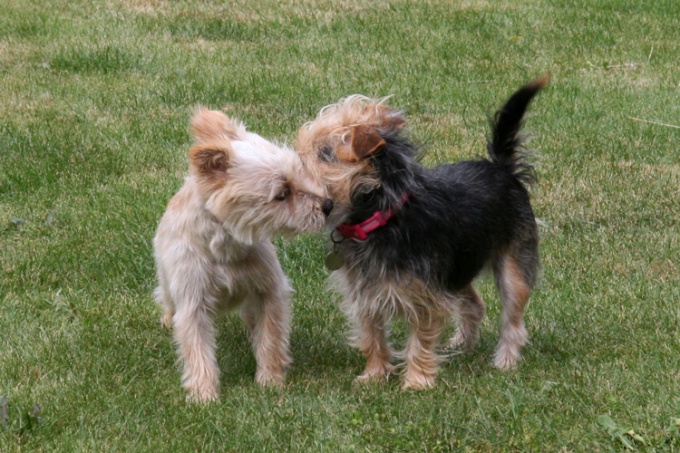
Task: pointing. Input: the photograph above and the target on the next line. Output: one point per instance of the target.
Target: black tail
(506, 145)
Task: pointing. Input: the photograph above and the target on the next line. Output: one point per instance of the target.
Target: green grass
(94, 106)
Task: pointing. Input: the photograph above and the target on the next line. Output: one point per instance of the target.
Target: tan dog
(213, 251)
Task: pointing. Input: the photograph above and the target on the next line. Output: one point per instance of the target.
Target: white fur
(213, 252)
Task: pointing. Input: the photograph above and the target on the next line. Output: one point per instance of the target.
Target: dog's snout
(327, 207)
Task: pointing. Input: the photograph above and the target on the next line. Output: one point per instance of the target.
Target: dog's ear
(209, 162)
(212, 125)
(362, 141)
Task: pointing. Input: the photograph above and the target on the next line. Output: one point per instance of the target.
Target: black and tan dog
(410, 240)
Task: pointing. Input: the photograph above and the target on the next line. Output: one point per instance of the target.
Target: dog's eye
(326, 154)
(285, 193)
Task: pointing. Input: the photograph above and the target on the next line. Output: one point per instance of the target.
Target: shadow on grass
(313, 357)
(321, 353)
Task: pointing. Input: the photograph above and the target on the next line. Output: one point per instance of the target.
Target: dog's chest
(240, 269)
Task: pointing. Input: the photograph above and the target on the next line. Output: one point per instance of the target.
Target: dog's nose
(327, 207)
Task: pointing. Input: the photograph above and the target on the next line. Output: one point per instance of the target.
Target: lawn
(95, 99)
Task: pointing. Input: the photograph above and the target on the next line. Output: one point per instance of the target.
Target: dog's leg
(422, 361)
(195, 334)
(514, 291)
(371, 339)
(471, 310)
(269, 319)
(163, 298)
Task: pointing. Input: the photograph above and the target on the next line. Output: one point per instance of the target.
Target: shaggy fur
(449, 223)
(213, 251)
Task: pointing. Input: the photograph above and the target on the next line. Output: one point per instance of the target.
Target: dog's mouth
(337, 217)
(315, 222)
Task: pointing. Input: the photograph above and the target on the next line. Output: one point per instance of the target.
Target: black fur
(458, 217)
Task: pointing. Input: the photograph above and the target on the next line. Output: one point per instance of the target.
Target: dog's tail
(506, 145)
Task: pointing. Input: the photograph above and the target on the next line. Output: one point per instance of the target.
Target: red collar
(360, 231)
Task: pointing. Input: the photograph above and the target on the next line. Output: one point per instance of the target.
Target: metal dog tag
(333, 261)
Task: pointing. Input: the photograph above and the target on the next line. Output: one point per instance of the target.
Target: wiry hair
(448, 223)
(213, 251)
(318, 142)
(356, 110)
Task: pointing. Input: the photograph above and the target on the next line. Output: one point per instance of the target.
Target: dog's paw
(269, 379)
(418, 382)
(202, 396)
(378, 374)
(364, 378)
(506, 359)
(460, 342)
(509, 350)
